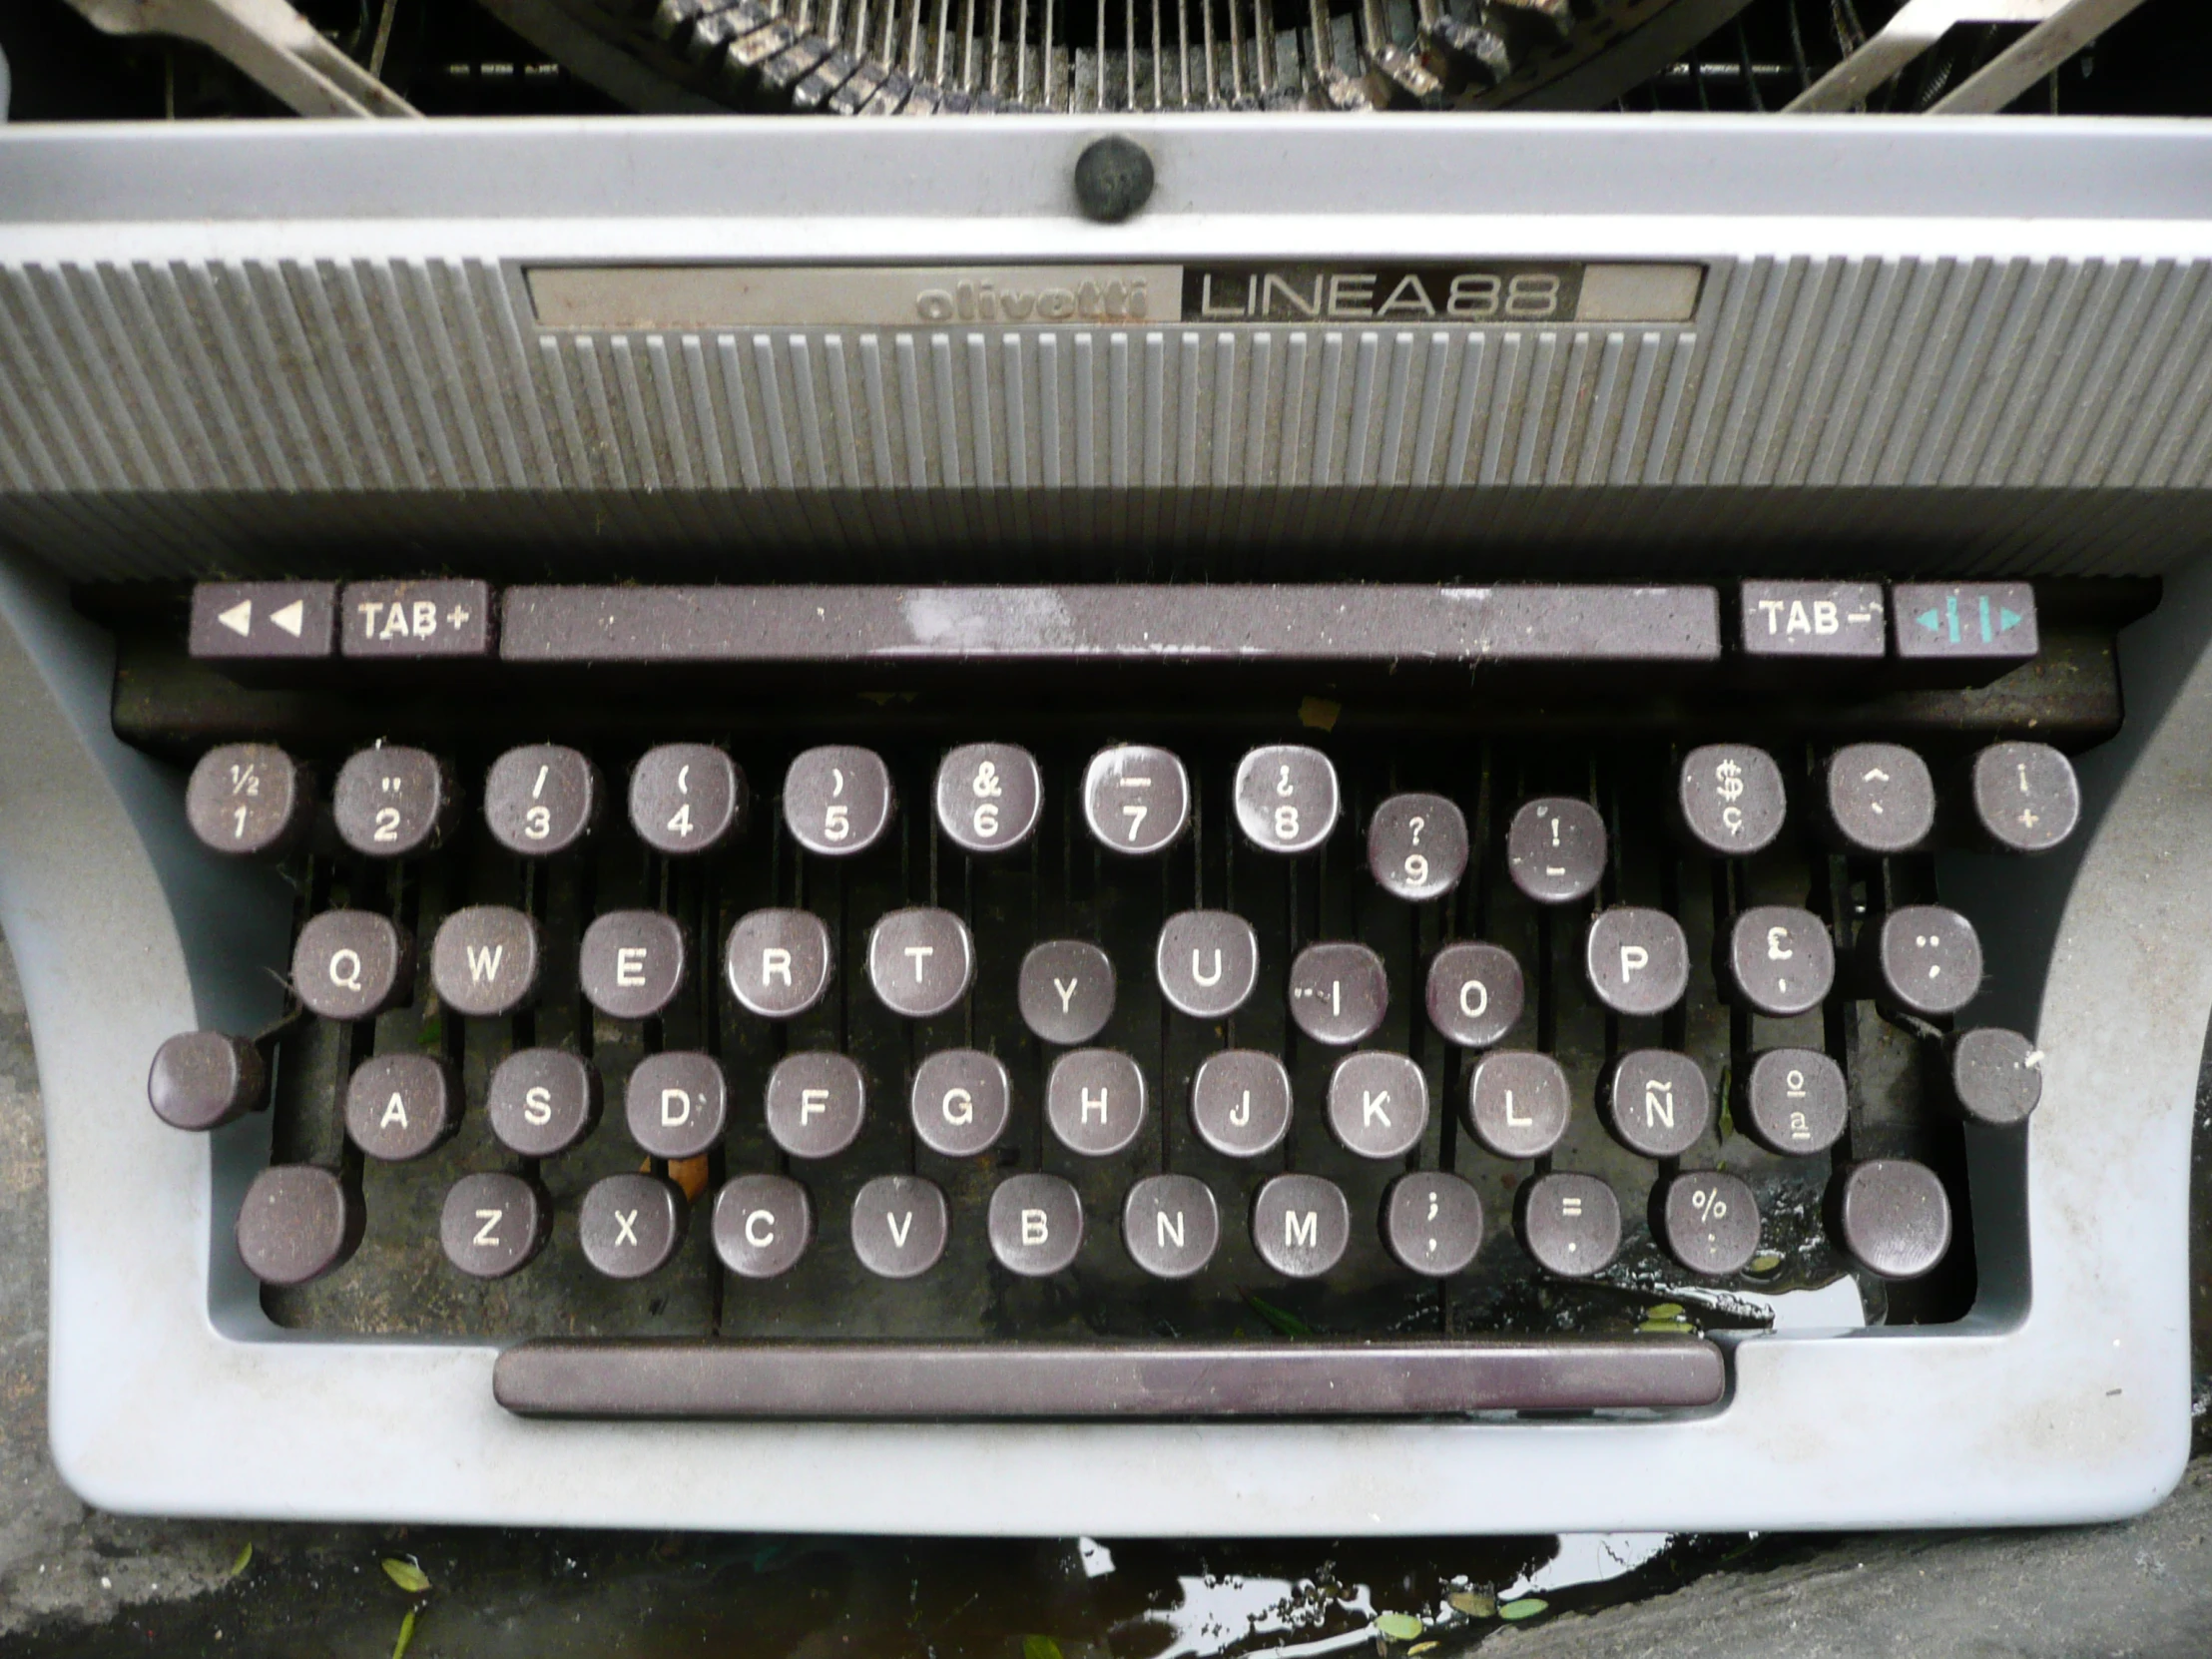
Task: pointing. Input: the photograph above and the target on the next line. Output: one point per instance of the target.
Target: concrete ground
(79, 1582)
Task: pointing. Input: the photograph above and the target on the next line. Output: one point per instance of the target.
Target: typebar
(1117, 623)
(617, 1378)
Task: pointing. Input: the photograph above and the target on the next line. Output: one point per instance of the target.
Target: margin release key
(251, 620)
(1813, 619)
(1978, 621)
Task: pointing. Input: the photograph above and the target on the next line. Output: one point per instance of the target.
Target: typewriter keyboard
(1103, 1023)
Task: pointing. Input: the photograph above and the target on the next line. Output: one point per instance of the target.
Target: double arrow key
(234, 621)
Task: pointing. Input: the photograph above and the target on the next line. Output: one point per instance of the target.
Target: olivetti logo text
(985, 299)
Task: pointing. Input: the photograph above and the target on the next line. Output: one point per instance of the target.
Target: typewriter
(1130, 811)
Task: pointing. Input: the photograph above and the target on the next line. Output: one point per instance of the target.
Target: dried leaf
(407, 1575)
(1319, 713)
(1039, 1647)
(1766, 1262)
(1420, 1647)
(1473, 1603)
(691, 1175)
(406, 1633)
(1525, 1608)
(244, 1560)
(1400, 1627)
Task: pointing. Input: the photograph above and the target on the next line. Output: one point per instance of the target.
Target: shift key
(416, 620)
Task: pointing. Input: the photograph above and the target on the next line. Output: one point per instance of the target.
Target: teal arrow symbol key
(2007, 620)
(1932, 621)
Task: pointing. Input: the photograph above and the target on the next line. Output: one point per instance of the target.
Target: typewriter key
(1555, 849)
(1378, 1104)
(204, 1079)
(1706, 1220)
(399, 1107)
(1996, 1076)
(1433, 1223)
(632, 964)
(816, 1104)
(1036, 1224)
(1923, 958)
(1517, 1102)
(988, 797)
(352, 964)
(541, 1101)
(675, 1104)
(837, 799)
(1301, 1225)
(299, 1222)
(1169, 1224)
(778, 962)
(1287, 798)
(1730, 798)
(921, 961)
(391, 802)
(248, 798)
(631, 1225)
(1781, 960)
(1136, 799)
(763, 1225)
(494, 1224)
(1094, 1101)
(1474, 993)
(898, 1226)
(1880, 798)
(1892, 1216)
(1417, 847)
(1065, 991)
(1241, 1102)
(1570, 1224)
(1207, 962)
(541, 800)
(1794, 1101)
(960, 1102)
(1338, 992)
(1637, 960)
(2026, 796)
(686, 798)
(1657, 1102)
(484, 960)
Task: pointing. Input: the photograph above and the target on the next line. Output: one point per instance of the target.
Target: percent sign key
(1731, 798)
(1707, 1221)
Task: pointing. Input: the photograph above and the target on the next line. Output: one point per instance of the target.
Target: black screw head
(1113, 179)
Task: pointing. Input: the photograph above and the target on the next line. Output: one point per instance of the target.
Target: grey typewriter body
(781, 445)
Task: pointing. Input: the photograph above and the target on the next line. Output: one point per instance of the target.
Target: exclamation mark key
(1988, 622)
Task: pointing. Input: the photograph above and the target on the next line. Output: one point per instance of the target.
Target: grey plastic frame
(2065, 1397)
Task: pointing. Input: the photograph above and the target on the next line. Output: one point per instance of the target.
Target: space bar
(704, 1378)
